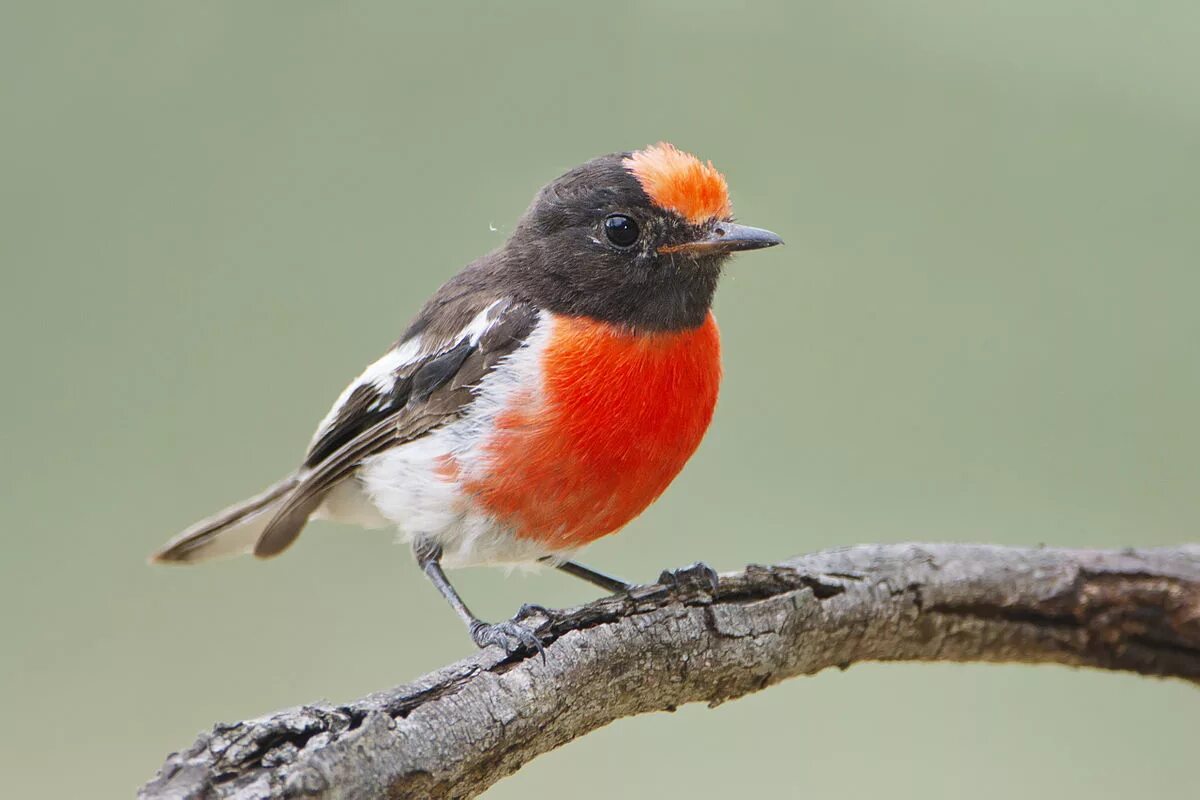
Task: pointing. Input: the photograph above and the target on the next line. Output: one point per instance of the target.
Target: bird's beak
(725, 237)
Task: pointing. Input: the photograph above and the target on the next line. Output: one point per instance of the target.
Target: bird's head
(635, 238)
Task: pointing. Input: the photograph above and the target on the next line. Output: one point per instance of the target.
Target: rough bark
(456, 731)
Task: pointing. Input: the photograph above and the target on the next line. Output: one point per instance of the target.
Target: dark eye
(621, 230)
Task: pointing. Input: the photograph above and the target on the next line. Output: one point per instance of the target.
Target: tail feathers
(228, 533)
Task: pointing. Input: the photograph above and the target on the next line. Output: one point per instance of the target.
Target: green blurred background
(983, 328)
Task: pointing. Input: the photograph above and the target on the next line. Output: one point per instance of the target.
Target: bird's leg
(699, 575)
(605, 582)
(510, 636)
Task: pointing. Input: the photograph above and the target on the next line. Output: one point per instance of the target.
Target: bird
(542, 398)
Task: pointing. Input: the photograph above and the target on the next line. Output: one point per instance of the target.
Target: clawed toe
(510, 636)
(533, 609)
(698, 575)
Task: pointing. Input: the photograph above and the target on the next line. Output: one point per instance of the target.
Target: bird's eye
(621, 230)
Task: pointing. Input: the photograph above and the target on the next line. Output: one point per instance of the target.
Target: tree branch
(456, 731)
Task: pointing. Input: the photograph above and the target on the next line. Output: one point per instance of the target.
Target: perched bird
(541, 399)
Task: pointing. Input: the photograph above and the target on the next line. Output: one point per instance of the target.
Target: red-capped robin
(541, 399)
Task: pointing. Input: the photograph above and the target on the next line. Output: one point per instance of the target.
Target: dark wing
(427, 384)
(372, 401)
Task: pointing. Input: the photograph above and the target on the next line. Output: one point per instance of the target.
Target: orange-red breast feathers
(620, 414)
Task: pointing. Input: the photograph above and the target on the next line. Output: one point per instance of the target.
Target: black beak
(725, 237)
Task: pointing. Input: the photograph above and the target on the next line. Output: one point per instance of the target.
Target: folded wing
(420, 385)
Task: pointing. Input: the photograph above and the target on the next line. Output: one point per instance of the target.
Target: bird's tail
(228, 533)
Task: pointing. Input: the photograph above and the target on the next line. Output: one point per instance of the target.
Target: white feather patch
(408, 484)
(381, 375)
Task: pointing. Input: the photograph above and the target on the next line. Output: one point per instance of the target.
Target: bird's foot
(533, 610)
(694, 576)
(510, 636)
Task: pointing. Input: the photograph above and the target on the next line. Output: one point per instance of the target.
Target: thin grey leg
(510, 636)
(605, 582)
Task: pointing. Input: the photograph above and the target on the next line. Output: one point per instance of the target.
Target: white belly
(409, 487)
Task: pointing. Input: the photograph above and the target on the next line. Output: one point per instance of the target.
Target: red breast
(619, 414)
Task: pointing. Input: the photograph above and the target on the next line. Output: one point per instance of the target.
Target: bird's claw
(510, 636)
(533, 609)
(698, 576)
